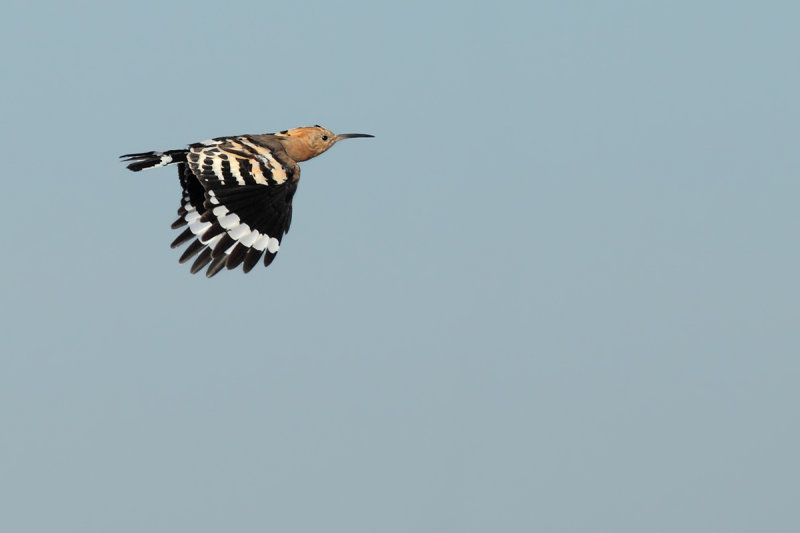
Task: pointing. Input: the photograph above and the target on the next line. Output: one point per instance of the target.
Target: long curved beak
(351, 136)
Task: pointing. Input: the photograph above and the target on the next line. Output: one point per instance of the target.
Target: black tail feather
(147, 160)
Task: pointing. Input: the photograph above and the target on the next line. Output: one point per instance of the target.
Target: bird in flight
(237, 193)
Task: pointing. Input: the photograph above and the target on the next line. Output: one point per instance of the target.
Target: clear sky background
(557, 292)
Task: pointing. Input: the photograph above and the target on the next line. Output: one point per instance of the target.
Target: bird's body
(237, 193)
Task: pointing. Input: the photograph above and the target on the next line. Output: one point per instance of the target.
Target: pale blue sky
(557, 292)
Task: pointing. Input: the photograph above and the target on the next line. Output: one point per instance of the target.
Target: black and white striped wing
(192, 199)
(237, 202)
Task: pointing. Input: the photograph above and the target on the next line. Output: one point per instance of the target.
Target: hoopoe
(237, 193)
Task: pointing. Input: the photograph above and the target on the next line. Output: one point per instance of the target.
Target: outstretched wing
(237, 202)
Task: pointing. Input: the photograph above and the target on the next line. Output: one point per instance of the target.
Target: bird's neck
(297, 148)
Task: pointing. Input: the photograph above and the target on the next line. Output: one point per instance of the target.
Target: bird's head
(302, 144)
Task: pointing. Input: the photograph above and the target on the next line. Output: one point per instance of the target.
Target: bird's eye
(324, 137)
